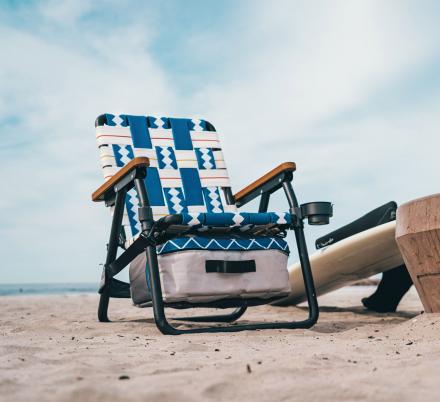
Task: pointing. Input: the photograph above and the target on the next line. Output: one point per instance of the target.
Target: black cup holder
(317, 213)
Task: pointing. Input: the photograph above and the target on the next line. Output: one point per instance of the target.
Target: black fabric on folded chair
(393, 286)
(119, 289)
(383, 214)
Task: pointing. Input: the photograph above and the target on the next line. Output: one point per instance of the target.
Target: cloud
(67, 12)
(301, 65)
(318, 85)
(51, 94)
(328, 85)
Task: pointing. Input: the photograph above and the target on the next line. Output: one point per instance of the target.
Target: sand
(53, 349)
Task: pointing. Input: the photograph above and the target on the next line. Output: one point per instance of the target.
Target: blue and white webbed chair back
(188, 176)
(187, 170)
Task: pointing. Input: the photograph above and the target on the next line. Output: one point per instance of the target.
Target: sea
(47, 288)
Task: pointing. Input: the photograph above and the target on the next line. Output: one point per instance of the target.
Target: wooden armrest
(98, 195)
(284, 167)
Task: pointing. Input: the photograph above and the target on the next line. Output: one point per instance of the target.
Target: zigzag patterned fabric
(222, 244)
(187, 172)
(187, 169)
(234, 219)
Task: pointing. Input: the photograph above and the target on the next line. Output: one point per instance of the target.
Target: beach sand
(53, 349)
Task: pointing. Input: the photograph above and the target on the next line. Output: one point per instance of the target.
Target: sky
(349, 90)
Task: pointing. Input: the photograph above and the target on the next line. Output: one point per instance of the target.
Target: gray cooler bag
(202, 269)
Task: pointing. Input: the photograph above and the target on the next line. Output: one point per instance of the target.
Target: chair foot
(167, 329)
(103, 306)
(234, 316)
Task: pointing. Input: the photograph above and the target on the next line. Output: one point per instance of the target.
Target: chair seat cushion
(223, 243)
(234, 219)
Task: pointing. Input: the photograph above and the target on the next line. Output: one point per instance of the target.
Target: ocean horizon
(14, 289)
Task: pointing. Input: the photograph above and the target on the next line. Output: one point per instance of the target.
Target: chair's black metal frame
(155, 232)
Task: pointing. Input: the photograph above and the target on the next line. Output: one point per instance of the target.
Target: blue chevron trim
(229, 244)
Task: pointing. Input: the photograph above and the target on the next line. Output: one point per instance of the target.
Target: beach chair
(177, 225)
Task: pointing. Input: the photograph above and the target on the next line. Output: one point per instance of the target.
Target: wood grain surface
(418, 238)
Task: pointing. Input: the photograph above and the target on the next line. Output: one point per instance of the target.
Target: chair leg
(234, 316)
(112, 250)
(103, 305)
(166, 328)
(306, 270)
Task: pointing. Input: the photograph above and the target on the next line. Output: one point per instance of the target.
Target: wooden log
(418, 238)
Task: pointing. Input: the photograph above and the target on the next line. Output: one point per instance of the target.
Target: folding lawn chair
(176, 221)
